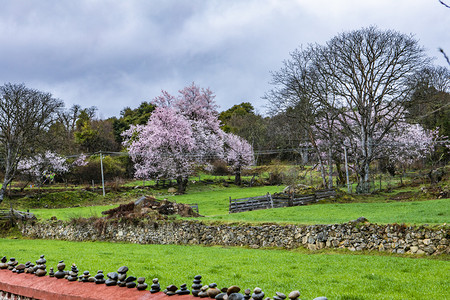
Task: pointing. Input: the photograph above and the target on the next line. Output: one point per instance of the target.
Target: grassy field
(418, 212)
(337, 276)
(213, 201)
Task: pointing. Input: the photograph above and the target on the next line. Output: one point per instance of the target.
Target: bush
(113, 167)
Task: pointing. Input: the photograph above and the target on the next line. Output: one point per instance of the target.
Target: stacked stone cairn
(122, 276)
(130, 282)
(60, 273)
(100, 277)
(112, 279)
(183, 290)
(155, 287)
(170, 290)
(29, 267)
(233, 293)
(40, 268)
(85, 277)
(122, 280)
(197, 285)
(247, 294)
(3, 264)
(73, 274)
(12, 263)
(51, 272)
(20, 268)
(213, 291)
(258, 294)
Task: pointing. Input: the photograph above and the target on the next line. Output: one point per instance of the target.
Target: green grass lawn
(337, 276)
(418, 212)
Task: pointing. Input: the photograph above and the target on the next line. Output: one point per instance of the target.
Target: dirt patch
(150, 208)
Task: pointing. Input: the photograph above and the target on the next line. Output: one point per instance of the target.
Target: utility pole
(346, 170)
(103, 178)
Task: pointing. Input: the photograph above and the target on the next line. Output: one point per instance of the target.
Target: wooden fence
(12, 214)
(277, 200)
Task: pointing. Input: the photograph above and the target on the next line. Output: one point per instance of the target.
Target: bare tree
(24, 115)
(358, 80)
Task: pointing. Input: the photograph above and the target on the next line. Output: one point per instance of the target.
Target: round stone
(204, 288)
(123, 269)
(233, 289)
(172, 288)
(130, 279)
(294, 295)
(198, 277)
(213, 285)
(257, 290)
(281, 295)
(113, 276)
(155, 280)
(220, 296)
(247, 291)
(213, 292)
(236, 296)
(141, 280)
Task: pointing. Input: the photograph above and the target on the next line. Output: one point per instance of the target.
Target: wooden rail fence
(277, 200)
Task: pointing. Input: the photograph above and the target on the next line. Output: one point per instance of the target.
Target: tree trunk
(330, 170)
(182, 184)
(237, 177)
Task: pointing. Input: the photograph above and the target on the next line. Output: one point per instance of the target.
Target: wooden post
(271, 200)
(103, 178)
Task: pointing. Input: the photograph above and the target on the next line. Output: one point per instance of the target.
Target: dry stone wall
(352, 236)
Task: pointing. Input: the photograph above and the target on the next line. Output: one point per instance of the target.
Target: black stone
(113, 276)
(131, 284)
(172, 288)
(4, 259)
(110, 282)
(220, 296)
(236, 296)
(123, 269)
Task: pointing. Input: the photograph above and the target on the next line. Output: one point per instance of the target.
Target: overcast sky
(113, 54)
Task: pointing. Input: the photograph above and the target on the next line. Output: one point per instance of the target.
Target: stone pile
(121, 279)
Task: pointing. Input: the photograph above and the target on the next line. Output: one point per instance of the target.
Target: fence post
(271, 200)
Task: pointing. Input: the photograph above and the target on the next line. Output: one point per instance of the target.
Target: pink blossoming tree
(183, 131)
(43, 166)
(238, 154)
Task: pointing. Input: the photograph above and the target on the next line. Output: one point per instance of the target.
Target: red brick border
(46, 287)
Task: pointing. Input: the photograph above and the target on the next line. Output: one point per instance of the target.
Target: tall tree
(128, 117)
(362, 77)
(25, 114)
(181, 132)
